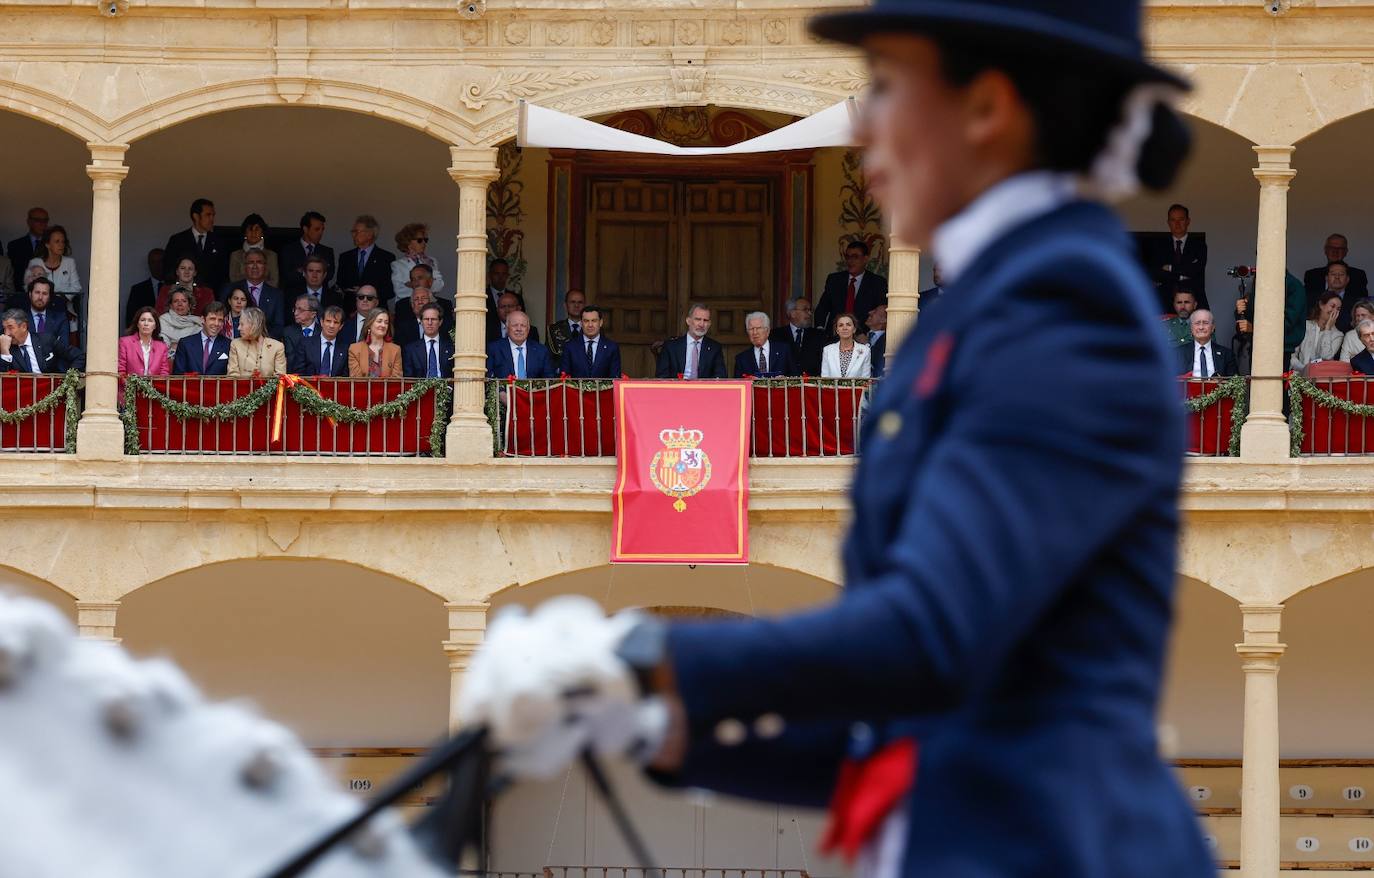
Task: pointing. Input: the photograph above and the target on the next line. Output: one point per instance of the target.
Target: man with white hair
(763, 359)
(1204, 358)
(1363, 362)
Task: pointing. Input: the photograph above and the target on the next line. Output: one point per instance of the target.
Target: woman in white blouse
(1323, 339)
(412, 240)
(846, 358)
(53, 256)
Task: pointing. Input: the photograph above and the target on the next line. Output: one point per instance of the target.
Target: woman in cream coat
(846, 358)
(253, 352)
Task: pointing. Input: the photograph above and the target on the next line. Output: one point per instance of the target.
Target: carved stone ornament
(689, 83)
(688, 33)
(472, 8)
(841, 80)
(473, 32)
(517, 33)
(646, 34)
(603, 32)
(559, 34)
(775, 30)
(732, 33)
(506, 86)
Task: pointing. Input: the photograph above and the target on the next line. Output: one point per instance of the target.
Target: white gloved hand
(549, 685)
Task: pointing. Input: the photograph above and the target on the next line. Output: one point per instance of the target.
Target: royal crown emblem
(681, 469)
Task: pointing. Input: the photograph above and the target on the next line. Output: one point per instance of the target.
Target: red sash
(866, 793)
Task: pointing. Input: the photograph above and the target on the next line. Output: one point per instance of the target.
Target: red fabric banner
(810, 419)
(1209, 431)
(302, 433)
(1331, 431)
(559, 420)
(46, 431)
(682, 472)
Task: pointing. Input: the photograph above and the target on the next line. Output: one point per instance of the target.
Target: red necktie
(849, 296)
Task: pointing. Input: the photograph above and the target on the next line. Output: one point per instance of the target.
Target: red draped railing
(247, 413)
(33, 411)
(556, 418)
(1337, 415)
(1213, 428)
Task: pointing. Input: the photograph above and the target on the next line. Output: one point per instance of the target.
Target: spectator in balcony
(366, 264)
(508, 304)
(877, 339)
(306, 325)
(846, 358)
(762, 359)
(1362, 310)
(806, 341)
(23, 248)
(46, 317)
(498, 278)
(295, 254)
(185, 280)
(423, 276)
(413, 240)
(562, 331)
(254, 229)
(144, 293)
(141, 349)
(54, 257)
(1338, 282)
(694, 355)
(1322, 340)
(262, 295)
(1178, 261)
(931, 296)
(254, 352)
(1178, 328)
(179, 322)
(206, 352)
(317, 285)
(856, 290)
(325, 354)
(375, 356)
(1363, 362)
(1315, 280)
(1204, 358)
(22, 351)
(519, 356)
(365, 301)
(203, 244)
(430, 355)
(238, 303)
(594, 355)
(408, 325)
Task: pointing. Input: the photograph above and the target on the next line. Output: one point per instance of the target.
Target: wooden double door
(654, 246)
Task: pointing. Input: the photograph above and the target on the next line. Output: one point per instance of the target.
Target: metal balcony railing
(38, 412)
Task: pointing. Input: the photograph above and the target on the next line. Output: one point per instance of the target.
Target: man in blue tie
(431, 355)
(325, 353)
(517, 355)
(306, 329)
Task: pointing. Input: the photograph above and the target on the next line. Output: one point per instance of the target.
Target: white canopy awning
(540, 126)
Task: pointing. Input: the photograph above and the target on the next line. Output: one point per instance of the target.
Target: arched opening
(15, 583)
(280, 162)
(1202, 709)
(343, 655)
(1330, 196)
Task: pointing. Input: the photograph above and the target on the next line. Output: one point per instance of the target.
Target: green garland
(1300, 386)
(65, 392)
(495, 408)
(1235, 388)
(305, 396)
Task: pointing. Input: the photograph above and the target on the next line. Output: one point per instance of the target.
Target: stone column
(100, 433)
(467, 623)
(96, 619)
(1265, 434)
(469, 434)
(1260, 797)
(903, 291)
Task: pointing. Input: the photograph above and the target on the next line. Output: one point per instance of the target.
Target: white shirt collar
(1183, 240)
(961, 238)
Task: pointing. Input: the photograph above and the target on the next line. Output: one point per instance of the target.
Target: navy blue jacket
(538, 360)
(672, 361)
(304, 358)
(1008, 583)
(574, 363)
(780, 362)
(190, 355)
(415, 357)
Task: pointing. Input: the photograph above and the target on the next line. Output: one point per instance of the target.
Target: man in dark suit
(594, 355)
(1204, 358)
(291, 259)
(201, 243)
(808, 343)
(206, 352)
(517, 355)
(365, 299)
(1178, 261)
(1338, 281)
(21, 249)
(430, 355)
(45, 316)
(763, 359)
(570, 327)
(407, 322)
(316, 285)
(326, 353)
(263, 295)
(305, 311)
(1363, 362)
(23, 351)
(855, 290)
(931, 296)
(366, 264)
(693, 355)
(498, 276)
(144, 293)
(1337, 248)
(508, 303)
(877, 340)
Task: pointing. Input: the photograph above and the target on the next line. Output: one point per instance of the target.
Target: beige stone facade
(94, 529)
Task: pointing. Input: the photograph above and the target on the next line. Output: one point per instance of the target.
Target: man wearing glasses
(856, 290)
(364, 300)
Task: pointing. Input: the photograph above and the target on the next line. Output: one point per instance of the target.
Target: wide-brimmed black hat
(1103, 33)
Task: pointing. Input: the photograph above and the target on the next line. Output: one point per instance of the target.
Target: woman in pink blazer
(142, 351)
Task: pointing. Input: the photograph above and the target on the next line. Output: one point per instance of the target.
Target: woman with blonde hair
(375, 356)
(253, 352)
(412, 241)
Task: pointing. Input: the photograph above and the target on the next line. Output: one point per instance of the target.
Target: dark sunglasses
(366, 298)
(423, 240)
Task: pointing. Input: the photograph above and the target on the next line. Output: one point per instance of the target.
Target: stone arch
(24, 583)
(1201, 706)
(60, 113)
(439, 122)
(332, 557)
